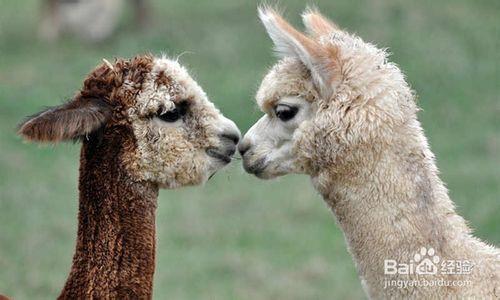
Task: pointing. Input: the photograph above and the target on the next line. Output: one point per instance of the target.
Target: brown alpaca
(144, 124)
(339, 111)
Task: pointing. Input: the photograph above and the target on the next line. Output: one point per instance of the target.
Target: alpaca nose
(232, 136)
(229, 132)
(243, 147)
(231, 140)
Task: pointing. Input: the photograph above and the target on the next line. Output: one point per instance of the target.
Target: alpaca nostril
(235, 138)
(231, 151)
(243, 148)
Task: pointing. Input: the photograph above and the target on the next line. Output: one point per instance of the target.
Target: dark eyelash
(285, 112)
(174, 114)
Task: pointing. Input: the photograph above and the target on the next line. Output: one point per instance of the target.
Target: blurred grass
(238, 237)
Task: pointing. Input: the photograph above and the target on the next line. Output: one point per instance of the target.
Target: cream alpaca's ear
(289, 42)
(316, 24)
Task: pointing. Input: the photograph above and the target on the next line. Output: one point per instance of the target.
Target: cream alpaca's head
(330, 95)
(167, 130)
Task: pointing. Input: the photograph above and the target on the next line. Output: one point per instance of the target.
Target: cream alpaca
(337, 110)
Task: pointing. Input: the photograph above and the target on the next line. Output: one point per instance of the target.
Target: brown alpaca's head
(330, 95)
(174, 135)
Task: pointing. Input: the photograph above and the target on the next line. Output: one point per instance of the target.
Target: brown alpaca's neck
(115, 247)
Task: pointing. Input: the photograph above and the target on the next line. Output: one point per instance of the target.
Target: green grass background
(238, 237)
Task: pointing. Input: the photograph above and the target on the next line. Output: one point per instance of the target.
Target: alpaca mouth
(256, 168)
(224, 156)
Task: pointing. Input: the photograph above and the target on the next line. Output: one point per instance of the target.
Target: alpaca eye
(175, 114)
(170, 116)
(285, 112)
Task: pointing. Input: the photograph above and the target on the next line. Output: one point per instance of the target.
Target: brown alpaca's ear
(68, 121)
(321, 60)
(316, 24)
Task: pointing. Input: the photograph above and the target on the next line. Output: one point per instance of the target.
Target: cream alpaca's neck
(393, 208)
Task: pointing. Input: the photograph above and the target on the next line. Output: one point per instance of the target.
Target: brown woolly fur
(115, 248)
(360, 141)
(144, 123)
(92, 106)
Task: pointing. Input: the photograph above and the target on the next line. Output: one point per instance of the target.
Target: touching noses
(230, 136)
(244, 146)
(249, 139)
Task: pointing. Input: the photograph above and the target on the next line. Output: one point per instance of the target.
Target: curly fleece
(127, 154)
(368, 157)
